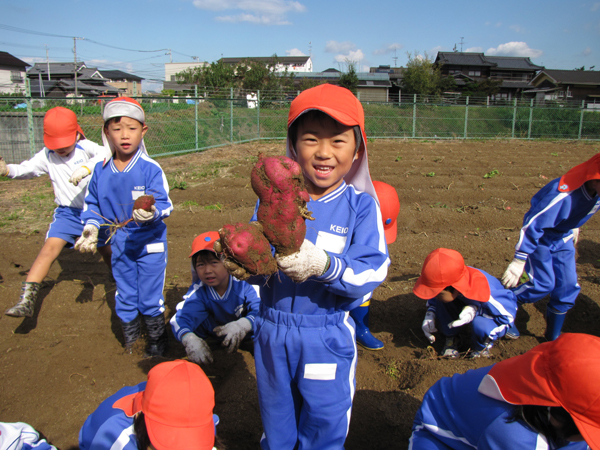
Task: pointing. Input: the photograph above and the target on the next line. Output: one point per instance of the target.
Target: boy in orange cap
(546, 398)
(390, 208)
(457, 295)
(68, 158)
(172, 410)
(216, 304)
(305, 345)
(546, 246)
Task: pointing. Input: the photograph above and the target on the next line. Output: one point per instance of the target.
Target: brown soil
(59, 365)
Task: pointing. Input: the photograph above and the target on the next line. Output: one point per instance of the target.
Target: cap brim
(165, 437)
(391, 233)
(425, 292)
(54, 143)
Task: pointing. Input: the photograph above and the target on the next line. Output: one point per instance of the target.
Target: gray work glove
(79, 175)
(234, 333)
(575, 236)
(141, 215)
(306, 262)
(88, 240)
(513, 273)
(3, 168)
(466, 316)
(428, 326)
(197, 349)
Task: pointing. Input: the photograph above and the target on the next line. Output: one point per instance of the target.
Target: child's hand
(79, 175)
(88, 240)
(466, 316)
(141, 215)
(197, 349)
(3, 168)
(428, 326)
(513, 273)
(234, 333)
(306, 262)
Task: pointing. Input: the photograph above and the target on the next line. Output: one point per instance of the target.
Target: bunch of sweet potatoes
(279, 184)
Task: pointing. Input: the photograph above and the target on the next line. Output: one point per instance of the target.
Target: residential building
(567, 85)
(12, 74)
(515, 72)
(372, 87)
(171, 71)
(296, 64)
(127, 84)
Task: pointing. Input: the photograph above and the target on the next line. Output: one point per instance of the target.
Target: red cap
(563, 372)
(204, 241)
(178, 407)
(389, 203)
(574, 178)
(60, 128)
(124, 107)
(444, 267)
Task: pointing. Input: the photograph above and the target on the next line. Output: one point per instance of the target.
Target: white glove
(3, 168)
(79, 175)
(141, 215)
(575, 236)
(428, 326)
(197, 349)
(466, 316)
(513, 273)
(234, 333)
(306, 262)
(88, 240)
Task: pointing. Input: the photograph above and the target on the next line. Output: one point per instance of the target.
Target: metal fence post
(514, 119)
(581, 119)
(196, 113)
(30, 124)
(530, 119)
(466, 116)
(414, 130)
(231, 115)
(258, 114)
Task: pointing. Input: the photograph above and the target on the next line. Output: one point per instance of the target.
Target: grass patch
(215, 207)
(189, 203)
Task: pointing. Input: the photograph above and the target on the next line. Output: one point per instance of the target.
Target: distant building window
(569, 94)
(15, 76)
(561, 94)
(474, 73)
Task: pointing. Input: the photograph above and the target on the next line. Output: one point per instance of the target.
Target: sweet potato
(245, 244)
(144, 202)
(279, 184)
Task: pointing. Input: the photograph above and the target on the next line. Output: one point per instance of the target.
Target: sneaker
(512, 332)
(450, 350)
(484, 353)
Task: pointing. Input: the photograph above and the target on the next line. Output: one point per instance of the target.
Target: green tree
(349, 79)
(483, 88)
(216, 76)
(423, 77)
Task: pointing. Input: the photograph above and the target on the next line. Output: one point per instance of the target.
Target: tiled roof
(572, 76)
(464, 59)
(513, 62)
(286, 60)
(119, 75)
(6, 59)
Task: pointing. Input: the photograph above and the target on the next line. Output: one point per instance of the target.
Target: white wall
(7, 86)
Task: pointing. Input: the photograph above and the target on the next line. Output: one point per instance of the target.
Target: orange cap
(444, 267)
(60, 128)
(563, 372)
(178, 407)
(389, 203)
(574, 178)
(204, 241)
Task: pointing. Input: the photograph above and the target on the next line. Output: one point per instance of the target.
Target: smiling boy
(139, 257)
(305, 347)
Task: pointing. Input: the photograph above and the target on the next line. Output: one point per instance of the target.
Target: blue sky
(135, 35)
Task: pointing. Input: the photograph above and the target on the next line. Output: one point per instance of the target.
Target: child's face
(593, 187)
(447, 295)
(65, 151)
(125, 136)
(325, 151)
(212, 272)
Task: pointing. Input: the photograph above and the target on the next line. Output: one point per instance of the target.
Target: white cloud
(261, 12)
(514, 49)
(474, 50)
(587, 51)
(339, 47)
(351, 56)
(497, 24)
(595, 7)
(517, 28)
(294, 52)
(388, 49)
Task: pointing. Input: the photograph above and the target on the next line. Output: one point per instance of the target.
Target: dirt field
(59, 365)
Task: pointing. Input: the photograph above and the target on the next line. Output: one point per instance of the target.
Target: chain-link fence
(216, 118)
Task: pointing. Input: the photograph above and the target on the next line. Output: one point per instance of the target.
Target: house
(395, 74)
(68, 79)
(12, 74)
(128, 84)
(372, 87)
(171, 80)
(296, 64)
(567, 85)
(515, 72)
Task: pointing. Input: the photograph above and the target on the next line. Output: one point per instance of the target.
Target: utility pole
(47, 62)
(170, 55)
(395, 58)
(75, 61)
(461, 43)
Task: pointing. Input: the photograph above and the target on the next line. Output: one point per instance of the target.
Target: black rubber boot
(131, 332)
(158, 342)
(26, 305)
